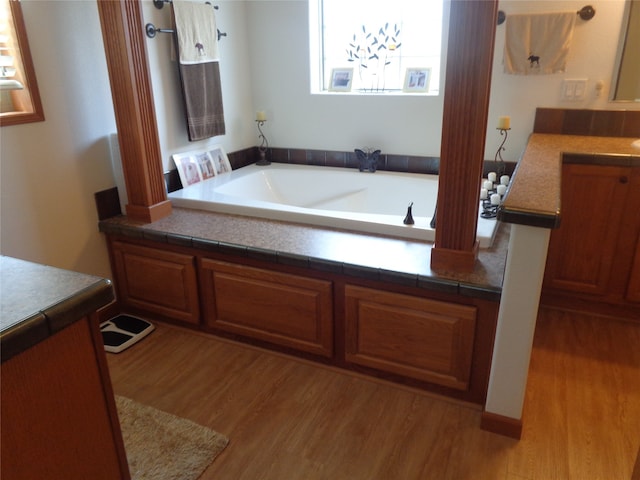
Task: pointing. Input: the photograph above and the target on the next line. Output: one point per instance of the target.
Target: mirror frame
(624, 50)
(37, 113)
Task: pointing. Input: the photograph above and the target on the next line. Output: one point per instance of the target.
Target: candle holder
(264, 144)
(492, 192)
(500, 167)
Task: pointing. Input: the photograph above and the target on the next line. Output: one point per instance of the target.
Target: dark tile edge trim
(440, 285)
(531, 219)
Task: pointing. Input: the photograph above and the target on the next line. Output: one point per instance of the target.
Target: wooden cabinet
(438, 341)
(280, 308)
(59, 417)
(593, 255)
(633, 287)
(150, 280)
(415, 337)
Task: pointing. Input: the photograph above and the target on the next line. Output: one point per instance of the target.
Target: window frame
(35, 113)
(320, 72)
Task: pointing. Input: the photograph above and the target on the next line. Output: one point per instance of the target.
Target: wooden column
(466, 103)
(124, 42)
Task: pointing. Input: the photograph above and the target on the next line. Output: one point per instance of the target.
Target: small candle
(504, 123)
(488, 185)
(483, 193)
(492, 176)
(501, 189)
(261, 116)
(504, 179)
(495, 199)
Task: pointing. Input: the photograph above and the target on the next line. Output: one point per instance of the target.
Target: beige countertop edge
(536, 186)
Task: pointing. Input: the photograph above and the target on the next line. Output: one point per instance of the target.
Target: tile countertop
(533, 197)
(37, 301)
(386, 259)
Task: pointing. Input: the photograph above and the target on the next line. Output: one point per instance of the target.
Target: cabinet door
(582, 250)
(415, 337)
(59, 419)
(633, 288)
(280, 308)
(149, 280)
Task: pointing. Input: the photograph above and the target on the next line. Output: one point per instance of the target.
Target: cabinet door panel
(415, 337)
(582, 249)
(633, 288)
(281, 308)
(157, 281)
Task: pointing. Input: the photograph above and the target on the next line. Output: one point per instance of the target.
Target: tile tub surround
(332, 158)
(405, 262)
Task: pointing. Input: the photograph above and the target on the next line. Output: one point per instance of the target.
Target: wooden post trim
(124, 42)
(507, 426)
(466, 104)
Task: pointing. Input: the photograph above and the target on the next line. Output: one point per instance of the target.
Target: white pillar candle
(488, 185)
(504, 123)
(504, 179)
(501, 189)
(492, 176)
(495, 199)
(483, 193)
(261, 116)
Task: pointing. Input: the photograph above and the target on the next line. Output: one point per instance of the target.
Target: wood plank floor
(289, 419)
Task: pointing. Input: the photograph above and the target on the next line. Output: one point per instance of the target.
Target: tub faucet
(368, 160)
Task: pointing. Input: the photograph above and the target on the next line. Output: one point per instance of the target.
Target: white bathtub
(325, 196)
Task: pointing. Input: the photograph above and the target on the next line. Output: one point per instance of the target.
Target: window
(19, 96)
(391, 46)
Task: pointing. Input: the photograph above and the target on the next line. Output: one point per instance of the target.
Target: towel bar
(585, 13)
(151, 30)
(160, 3)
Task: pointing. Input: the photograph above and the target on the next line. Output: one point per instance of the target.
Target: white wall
(412, 125)
(50, 170)
(592, 56)
(235, 78)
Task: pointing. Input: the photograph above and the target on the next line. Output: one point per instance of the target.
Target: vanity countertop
(37, 301)
(534, 195)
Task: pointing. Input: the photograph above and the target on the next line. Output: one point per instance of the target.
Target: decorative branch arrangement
(374, 53)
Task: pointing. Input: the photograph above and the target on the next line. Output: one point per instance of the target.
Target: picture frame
(220, 160)
(188, 168)
(416, 80)
(341, 80)
(205, 163)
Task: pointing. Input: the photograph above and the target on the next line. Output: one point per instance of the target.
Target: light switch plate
(574, 89)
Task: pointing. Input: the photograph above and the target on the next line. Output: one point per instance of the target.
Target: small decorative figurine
(368, 160)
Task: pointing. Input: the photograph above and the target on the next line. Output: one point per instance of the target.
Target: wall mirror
(627, 75)
(19, 95)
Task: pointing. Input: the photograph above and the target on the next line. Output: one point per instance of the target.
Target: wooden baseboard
(507, 426)
(593, 306)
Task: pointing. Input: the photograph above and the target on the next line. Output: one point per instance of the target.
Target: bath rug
(161, 446)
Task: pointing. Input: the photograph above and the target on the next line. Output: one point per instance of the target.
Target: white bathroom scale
(122, 331)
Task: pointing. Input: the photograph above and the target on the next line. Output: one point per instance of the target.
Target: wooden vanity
(59, 418)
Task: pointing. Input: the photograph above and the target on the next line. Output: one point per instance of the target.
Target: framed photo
(188, 168)
(205, 163)
(220, 160)
(417, 80)
(341, 79)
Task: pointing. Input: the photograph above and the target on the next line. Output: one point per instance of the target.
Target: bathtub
(326, 196)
